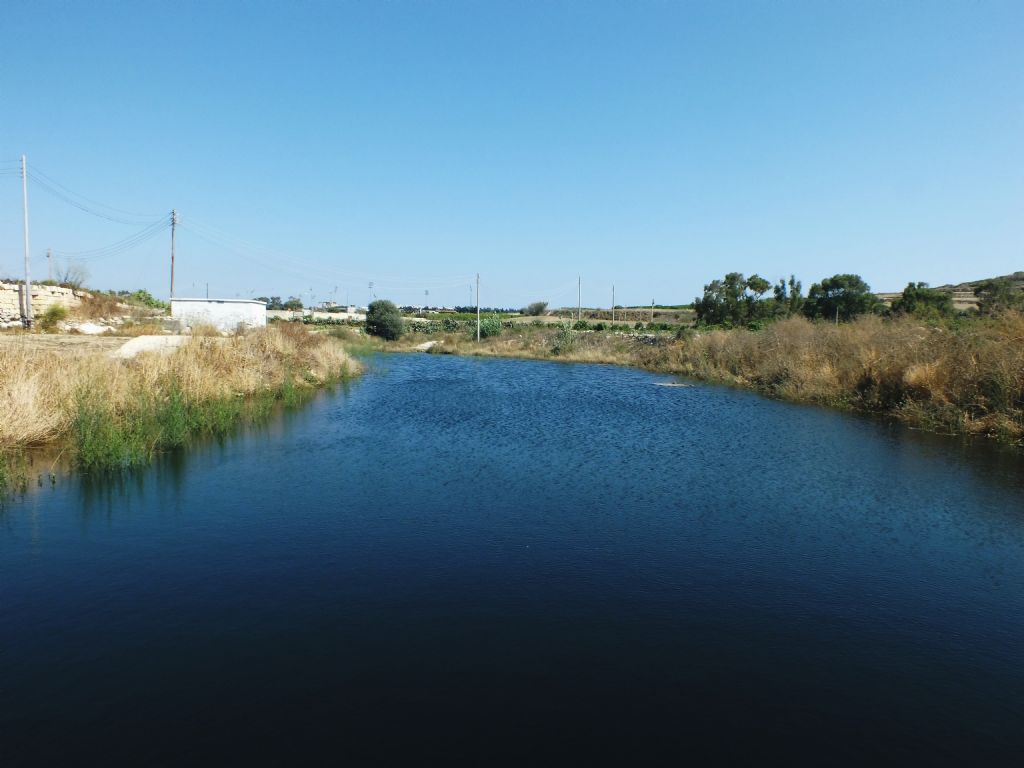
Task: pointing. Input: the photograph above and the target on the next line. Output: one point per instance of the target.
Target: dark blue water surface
(494, 560)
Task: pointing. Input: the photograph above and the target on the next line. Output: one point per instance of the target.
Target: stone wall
(43, 296)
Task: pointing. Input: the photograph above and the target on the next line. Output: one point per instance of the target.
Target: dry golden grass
(97, 305)
(41, 386)
(965, 379)
(142, 328)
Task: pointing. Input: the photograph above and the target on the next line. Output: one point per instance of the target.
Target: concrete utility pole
(613, 303)
(174, 223)
(478, 306)
(579, 298)
(371, 295)
(28, 277)
(652, 310)
(49, 264)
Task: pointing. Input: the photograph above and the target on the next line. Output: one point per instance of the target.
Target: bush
(565, 340)
(535, 309)
(489, 326)
(384, 320)
(54, 314)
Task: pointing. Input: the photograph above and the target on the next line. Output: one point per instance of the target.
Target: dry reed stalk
(39, 388)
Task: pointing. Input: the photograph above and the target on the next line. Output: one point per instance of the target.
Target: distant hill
(963, 293)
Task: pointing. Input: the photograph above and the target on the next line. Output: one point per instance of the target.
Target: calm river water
(496, 560)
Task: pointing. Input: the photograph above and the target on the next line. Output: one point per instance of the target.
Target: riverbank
(107, 412)
(958, 379)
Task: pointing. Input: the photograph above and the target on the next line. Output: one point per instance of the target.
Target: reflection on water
(498, 560)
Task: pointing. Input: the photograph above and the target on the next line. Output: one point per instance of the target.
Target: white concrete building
(223, 314)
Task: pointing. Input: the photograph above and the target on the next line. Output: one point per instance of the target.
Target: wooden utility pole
(579, 298)
(174, 223)
(478, 307)
(613, 303)
(28, 277)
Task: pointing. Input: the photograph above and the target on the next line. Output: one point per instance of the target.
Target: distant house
(229, 315)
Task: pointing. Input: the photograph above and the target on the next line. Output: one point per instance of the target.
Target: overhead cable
(53, 190)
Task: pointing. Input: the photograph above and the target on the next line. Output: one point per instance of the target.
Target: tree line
(738, 301)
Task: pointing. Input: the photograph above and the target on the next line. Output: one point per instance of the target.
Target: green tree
(841, 297)
(535, 309)
(997, 295)
(921, 301)
(294, 303)
(384, 320)
(789, 297)
(272, 302)
(733, 300)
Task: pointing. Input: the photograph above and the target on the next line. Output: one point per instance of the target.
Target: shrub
(535, 309)
(489, 326)
(565, 340)
(54, 314)
(384, 320)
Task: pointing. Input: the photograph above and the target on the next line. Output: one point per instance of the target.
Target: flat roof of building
(223, 301)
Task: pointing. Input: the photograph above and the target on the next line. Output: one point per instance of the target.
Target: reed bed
(964, 379)
(115, 413)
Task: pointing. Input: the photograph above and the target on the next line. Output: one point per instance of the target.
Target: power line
(76, 204)
(49, 179)
(239, 245)
(278, 262)
(119, 247)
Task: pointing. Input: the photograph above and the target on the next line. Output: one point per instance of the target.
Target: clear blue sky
(651, 145)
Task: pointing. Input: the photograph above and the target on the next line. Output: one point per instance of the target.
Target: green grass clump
(106, 439)
(53, 315)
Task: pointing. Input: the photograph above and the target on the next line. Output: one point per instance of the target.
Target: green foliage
(14, 473)
(272, 302)
(103, 441)
(54, 314)
(107, 440)
(923, 302)
(535, 309)
(142, 298)
(294, 303)
(564, 340)
(842, 297)
(789, 299)
(383, 319)
(732, 301)
(997, 295)
(489, 326)
(581, 325)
